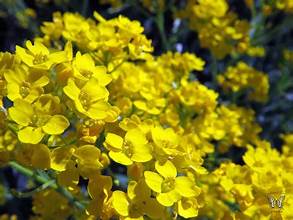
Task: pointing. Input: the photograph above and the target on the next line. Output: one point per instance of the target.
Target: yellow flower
(25, 83)
(187, 207)
(60, 157)
(166, 141)
(170, 188)
(243, 77)
(39, 56)
(133, 148)
(100, 194)
(205, 99)
(90, 99)
(35, 124)
(84, 68)
(88, 159)
(35, 155)
(136, 203)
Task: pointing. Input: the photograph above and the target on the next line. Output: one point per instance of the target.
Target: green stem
(85, 8)
(214, 70)
(40, 179)
(160, 23)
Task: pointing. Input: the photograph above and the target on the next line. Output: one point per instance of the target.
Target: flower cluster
(219, 29)
(244, 77)
(88, 97)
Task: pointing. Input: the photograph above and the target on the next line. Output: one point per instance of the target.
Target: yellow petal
(136, 137)
(37, 48)
(98, 190)
(141, 153)
(21, 112)
(166, 169)
(87, 153)
(93, 89)
(30, 135)
(56, 125)
(114, 140)
(186, 187)
(42, 81)
(41, 157)
(60, 156)
(120, 203)
(131, 189)
(187, 208)
(169, 198)
(26, 58)
(71, 90)
(98, 110)
(153, 180)
(121, 158)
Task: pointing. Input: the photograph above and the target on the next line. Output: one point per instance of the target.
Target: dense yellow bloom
(218, 28)
(204, 100)
(111, 105)
(166, 141)
(242, 77)
(88, 158)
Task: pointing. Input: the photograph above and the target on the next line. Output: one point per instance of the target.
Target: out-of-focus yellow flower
(242, 77)
(35, 155)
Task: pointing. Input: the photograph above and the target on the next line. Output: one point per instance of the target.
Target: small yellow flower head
(133, 147)
(34, 124)
(88, 159)
(39, 56)
(169, 187)
(25, 83)
(89, 99)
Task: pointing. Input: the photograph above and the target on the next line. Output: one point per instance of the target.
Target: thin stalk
(160, 23)
(214, 70)
(42, 180)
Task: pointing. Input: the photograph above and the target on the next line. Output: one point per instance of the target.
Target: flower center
(127, 148)
(86, 73)
(134, 210)
(168, 185)
(39, 58)
(39, 120)
(24, 89)
(84, 100)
